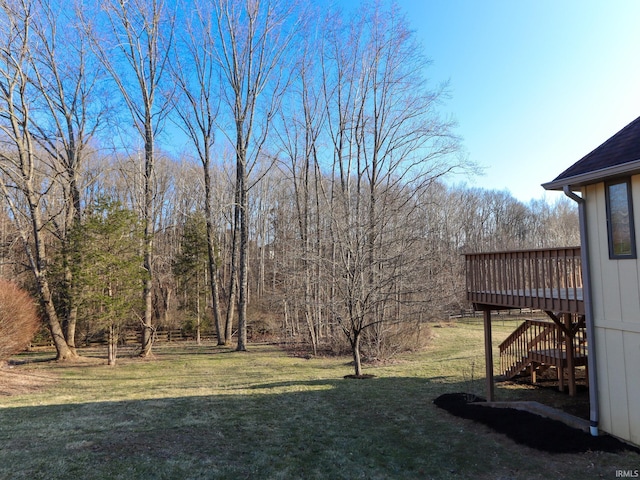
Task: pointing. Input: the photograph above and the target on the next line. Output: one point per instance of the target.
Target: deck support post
(566, 331)
(488, 350)
(560, 370)
(571, 371)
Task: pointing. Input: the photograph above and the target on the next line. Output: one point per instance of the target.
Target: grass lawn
(198, 412)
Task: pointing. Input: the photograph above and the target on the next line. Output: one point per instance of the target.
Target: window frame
(632, 234)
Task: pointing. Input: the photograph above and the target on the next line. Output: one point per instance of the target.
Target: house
(591, 293)
(606, 185)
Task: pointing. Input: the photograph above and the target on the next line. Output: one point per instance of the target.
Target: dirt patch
(527, 428)
(14, 382)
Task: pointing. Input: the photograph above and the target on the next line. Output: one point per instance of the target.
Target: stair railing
(531, 335)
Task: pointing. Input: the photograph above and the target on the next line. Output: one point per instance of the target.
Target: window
(622, 241)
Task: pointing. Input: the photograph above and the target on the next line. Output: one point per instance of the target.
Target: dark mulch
(529, 429)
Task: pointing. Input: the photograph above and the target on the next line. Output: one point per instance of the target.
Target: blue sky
(535, 84)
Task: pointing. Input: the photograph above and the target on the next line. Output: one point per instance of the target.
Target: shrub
(394, 339)
(18, 319)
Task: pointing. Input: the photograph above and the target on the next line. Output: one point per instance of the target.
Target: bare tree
(67, 79)
(23, 180)
(134, 42)
(252, 40)
(387, 140)
(195, 74)
(553, 225)
(299, 130)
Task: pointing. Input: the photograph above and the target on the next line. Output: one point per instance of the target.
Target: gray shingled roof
(620, 155)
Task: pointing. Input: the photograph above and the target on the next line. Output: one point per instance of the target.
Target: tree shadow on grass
(315, 428)
(523, 427)
(325, 428)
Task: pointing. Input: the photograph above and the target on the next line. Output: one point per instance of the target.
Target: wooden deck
(547, 279)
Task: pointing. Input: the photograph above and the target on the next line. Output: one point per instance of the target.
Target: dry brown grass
(19, 382)
(18, 319)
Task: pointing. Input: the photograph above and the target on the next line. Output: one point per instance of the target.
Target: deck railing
(545, 279)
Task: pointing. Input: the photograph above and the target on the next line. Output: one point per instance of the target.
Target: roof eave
(595, 176)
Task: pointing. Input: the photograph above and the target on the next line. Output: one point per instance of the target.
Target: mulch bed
(529, 429)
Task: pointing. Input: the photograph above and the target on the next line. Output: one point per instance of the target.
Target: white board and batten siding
(616, 311)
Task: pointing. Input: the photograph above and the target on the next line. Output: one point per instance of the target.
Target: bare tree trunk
(62, 349)
(233, 278)
(167, 304)
(285, 317)
(198, 312)
(312, 332)
(147, 326)
(243, 270)
(112, 345)
(213, 259)
(355, 348)
(71, 319)
(39, 262)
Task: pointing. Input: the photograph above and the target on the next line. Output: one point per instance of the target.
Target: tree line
(241, 166)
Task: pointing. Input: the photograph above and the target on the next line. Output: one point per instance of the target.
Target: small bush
(395, 339)
(18, 319)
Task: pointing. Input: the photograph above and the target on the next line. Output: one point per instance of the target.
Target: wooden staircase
(537, 345)
(516, 350)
